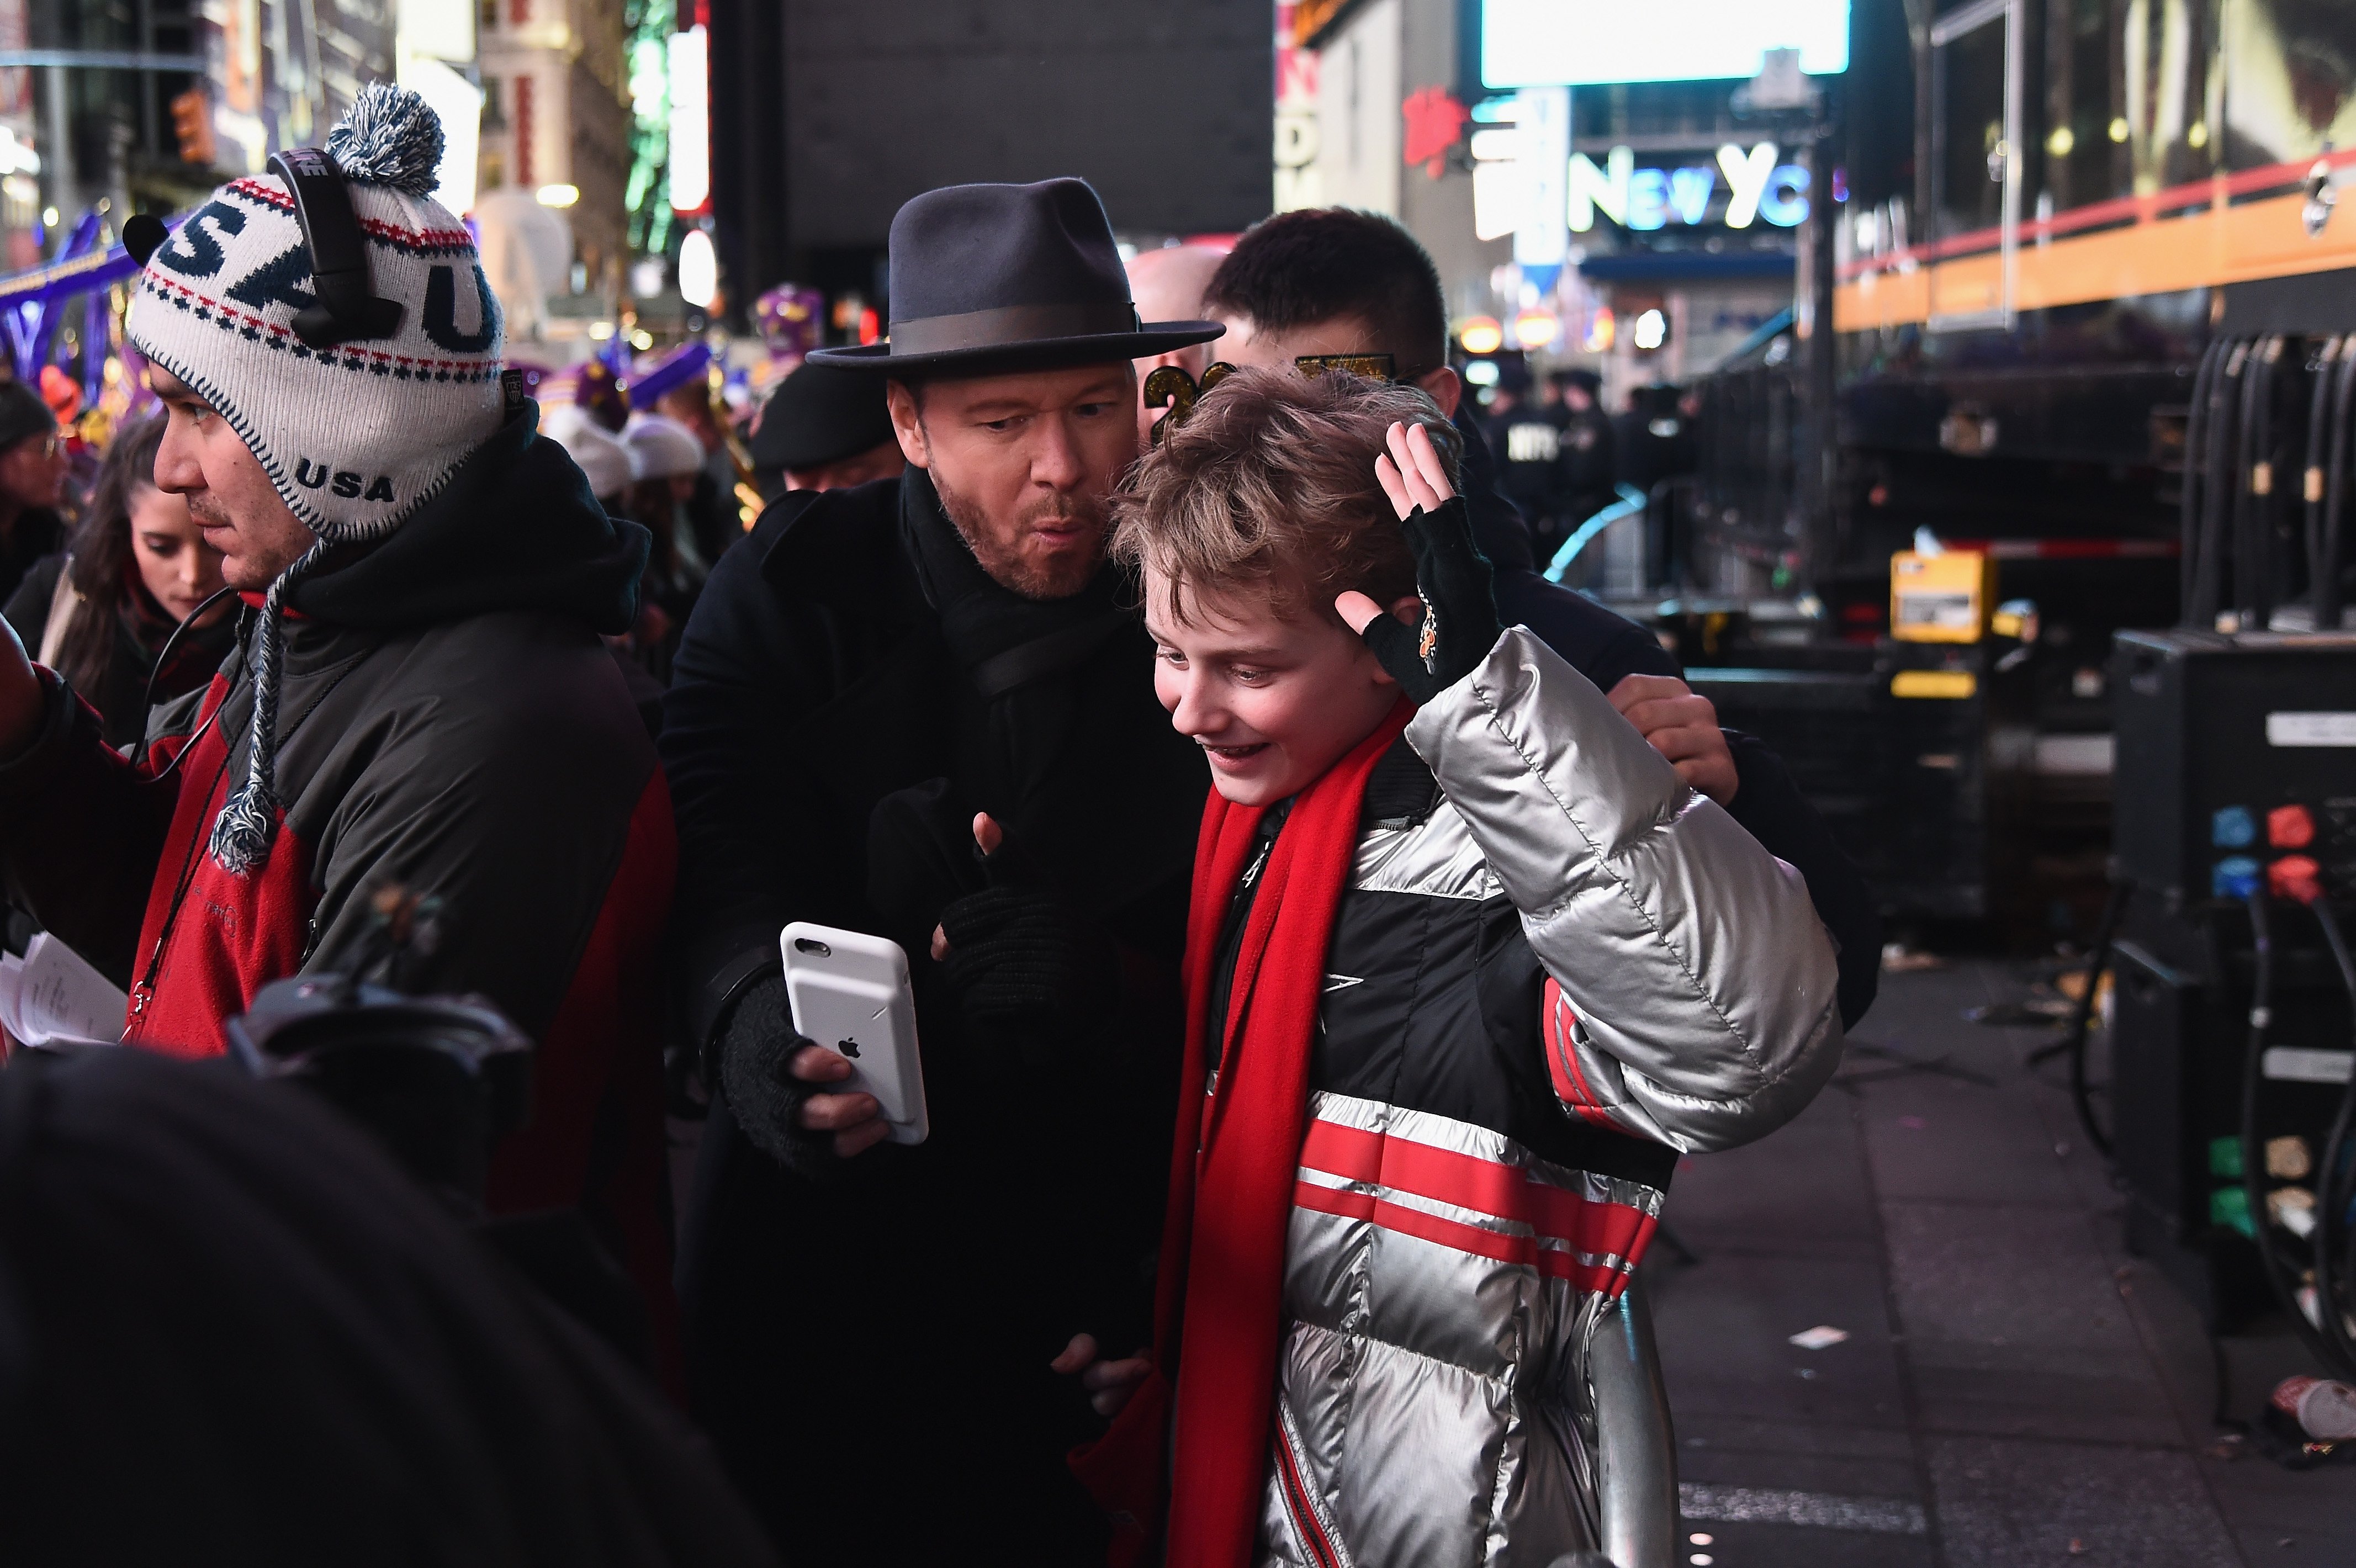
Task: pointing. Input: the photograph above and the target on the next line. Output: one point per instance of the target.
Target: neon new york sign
(1757, 186)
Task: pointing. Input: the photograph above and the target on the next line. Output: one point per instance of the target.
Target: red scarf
(1220, 1290)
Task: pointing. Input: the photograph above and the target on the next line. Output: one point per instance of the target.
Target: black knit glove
(1459, 624)
(766, 1099)
(1030, 975)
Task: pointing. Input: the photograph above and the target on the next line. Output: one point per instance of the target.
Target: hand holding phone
(849, 993)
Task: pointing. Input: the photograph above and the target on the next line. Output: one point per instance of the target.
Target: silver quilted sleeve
(1702, 981)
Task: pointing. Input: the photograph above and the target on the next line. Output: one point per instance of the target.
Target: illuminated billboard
(1584, 43)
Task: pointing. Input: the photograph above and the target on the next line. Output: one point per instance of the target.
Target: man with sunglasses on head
(1332, 285)
(419, 700)
(32, 481)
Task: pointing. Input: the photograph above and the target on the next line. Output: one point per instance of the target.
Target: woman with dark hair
(135, 567)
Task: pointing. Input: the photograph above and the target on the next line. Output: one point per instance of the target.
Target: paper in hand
(52, 996)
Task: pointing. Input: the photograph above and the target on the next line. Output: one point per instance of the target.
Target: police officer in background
(1589, 461)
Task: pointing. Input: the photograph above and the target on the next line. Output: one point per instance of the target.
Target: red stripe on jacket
(1560, 1025)
(1490, 1187)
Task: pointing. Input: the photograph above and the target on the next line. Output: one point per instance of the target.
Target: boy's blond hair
(1270, 486)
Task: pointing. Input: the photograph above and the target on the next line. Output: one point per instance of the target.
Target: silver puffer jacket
(1556, 967)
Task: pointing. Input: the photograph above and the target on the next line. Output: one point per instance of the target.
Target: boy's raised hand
(1412, 474)
(1428, 643)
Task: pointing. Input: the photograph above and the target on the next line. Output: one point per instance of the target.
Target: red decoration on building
(1434, 122)
(523, 134)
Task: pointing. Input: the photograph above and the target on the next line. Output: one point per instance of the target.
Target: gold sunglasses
(1169, 387)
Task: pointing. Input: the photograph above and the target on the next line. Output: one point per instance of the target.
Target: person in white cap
(609, 466)
(666, 466)
(603, 460)
(418, 696)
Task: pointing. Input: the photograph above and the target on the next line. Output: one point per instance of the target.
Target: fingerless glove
(1029, 979)
(1459, 624)
(766, 1099)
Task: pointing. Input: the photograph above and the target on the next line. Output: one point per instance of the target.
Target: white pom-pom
(390, 136)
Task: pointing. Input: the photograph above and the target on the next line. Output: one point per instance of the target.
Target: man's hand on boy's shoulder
(1682, 725)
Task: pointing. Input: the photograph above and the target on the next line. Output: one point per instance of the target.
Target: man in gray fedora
(895, 1346)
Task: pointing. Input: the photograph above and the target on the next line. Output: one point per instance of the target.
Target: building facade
(827, 116)
(557, 121)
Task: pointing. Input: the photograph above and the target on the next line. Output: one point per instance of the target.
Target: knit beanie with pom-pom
(358, 436)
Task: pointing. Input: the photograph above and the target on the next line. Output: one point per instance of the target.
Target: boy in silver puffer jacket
(1469, 966)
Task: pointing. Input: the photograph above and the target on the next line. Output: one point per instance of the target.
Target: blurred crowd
(1561, 458)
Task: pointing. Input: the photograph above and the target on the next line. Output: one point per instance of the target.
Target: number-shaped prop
(1169, 387)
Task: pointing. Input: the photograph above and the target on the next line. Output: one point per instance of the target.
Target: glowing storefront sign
(691, 123)
(1756, 185)
(1580, 43)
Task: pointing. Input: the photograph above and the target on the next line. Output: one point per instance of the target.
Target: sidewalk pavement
(2015, 1389)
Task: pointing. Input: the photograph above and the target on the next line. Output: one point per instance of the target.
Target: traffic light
(192, 121)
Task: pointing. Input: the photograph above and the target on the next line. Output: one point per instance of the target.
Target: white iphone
(849, 993)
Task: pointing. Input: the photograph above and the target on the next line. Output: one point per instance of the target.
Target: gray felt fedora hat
(1009, 277)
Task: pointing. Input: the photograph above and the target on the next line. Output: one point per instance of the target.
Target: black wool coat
(860, 1342)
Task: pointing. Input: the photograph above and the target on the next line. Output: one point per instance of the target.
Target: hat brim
(1153, 337)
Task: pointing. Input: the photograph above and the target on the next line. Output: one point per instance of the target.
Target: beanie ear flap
(248, 823)
(142, 234)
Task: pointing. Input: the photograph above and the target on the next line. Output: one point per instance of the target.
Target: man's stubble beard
(240, 572)
(207, 512)
(1058, 578)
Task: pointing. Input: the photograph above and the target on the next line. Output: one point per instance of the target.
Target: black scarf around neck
(981, 618)
(1052, 727)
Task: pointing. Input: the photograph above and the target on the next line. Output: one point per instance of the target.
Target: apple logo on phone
(847, 1046)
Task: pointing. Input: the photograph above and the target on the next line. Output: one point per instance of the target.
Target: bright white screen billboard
(1583, 43)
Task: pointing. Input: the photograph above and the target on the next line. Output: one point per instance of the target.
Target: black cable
(2319, 410)
(2196, 473)
(2335, 489)
(2217, 496)
(2254, 470)
(2264, 558)
(2254, 1166)
(155, 672)
(2220, 1412)
(2330, 1242)
(2081, 1016)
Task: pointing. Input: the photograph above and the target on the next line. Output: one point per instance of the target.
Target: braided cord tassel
(241, 835)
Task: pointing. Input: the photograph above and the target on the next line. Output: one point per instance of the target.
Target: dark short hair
(1298, 269)
(23, 414)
